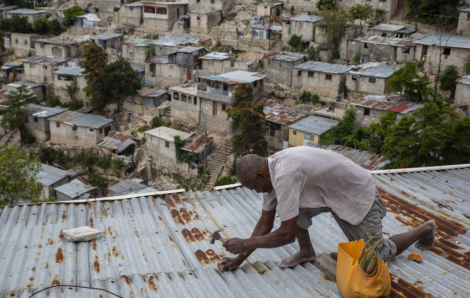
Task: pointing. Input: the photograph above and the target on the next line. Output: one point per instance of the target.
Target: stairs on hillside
(217, 162)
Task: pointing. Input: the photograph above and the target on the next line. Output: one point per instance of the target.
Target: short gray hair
(249, 165)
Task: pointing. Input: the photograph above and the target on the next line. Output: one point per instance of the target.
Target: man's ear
(261, 174)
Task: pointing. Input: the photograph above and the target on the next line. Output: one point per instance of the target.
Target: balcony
(214, 94)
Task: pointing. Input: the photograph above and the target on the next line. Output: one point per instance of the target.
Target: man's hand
(235, 245)
(228, 263)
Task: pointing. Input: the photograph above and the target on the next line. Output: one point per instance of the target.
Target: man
(300, 183)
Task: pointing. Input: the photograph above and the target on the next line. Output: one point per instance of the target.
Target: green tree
(361, 12)
(2, 42)
(20, 24)
(379, 131)
(13, 115)
(466, 65)
(335, 23)
(449, 79)
(296, 42)
(120, 80)
(408, 80)
(55, 28)
(71, 14)
(313, 54)
(326, 5)
(41, 27)
(95, 61)
(248, 123)
(342, 131)
(18, 176)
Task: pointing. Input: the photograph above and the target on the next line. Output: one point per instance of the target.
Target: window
(161, 10)
(382, 0)
(212, 1)
(446, 51)
(468, 16)
(299, 72)
(197, 1)
(327, 77)
(149, 9)
(195, 100)
(384, 34)
(214, 109)
(57, 124)
(44, 67)
(366, 112)
(91, 129)
(35, 119)
(294, 132)
(167, 144)
(42, 45)
(366, 45)
(224, 107)
(100, 130)
(310, 74)
(74, 127)
(16, 40)
(255, 84)
(132, 8)
(372, 80)
(25, 119)
(176, 96)
(405, 50)
(184, 98)
(354, 78)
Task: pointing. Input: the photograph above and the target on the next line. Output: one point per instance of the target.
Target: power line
(92, 288)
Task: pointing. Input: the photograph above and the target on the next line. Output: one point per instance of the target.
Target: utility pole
(205, 149)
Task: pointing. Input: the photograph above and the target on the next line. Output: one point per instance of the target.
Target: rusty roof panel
(66, 116)
(195, 143)
(387, 102)
(280, 113)
(160, 246)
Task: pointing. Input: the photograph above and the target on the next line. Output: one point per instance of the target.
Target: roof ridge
(422, 169)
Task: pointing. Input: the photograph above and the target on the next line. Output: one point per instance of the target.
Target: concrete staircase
(5, 137)
(217, 162)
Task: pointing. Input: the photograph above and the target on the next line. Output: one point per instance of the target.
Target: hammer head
(216, 235)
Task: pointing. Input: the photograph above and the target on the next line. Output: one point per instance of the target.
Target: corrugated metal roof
(306, 18)
(324, 67)
(67, 116)
(280, 113)
(42, 111)
(25, 11)
(261, 26)
(91, 121)
(276, 28)
(158, 59)
(155, 247)
(21, 83)
(8, 7)
(43, 60)
(388, 28)
(71, 71)
(391, 41)
(138, 68)
(167, 133)
(137, 41)
(90, 17)
(238, 76)
(466, 9)
(464, 80)
(445, 40)
(151, 92)
(74, 190)
(285, 56)
(314, 125)
(114, 139)
(173, 40)
(373, 69)
(105, 36)
(365, 159)
(195, 143)
(50, 175)
(190, 49)
(126, 187)
(218, 56)
(394, 103)
(204, 11)
(135, 4)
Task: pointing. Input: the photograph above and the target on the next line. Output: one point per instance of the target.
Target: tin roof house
(371, 78)
(51, 177)
(36, 120)
(309, 130)
(31, 14)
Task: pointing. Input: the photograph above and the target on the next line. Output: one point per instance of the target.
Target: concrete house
(41, 69)
(58, 47)
(452, 49)
(135, 51)
(172, 42)
(278, 118)
(75, 190)
(280, 66)
(186, 106)
(36, 120)
(165, 74)
(324, 79)
(162, 16)
(217, 5)
(188, 59)
(150, 97)
(301, 26)
(386, 30)
(88, 21)
(131, 15)
(51, 177)
(107, 40)
(77, 129)
(140, 69)
(5, 9)
(37, 89)
(266, 31)
(116, 143)
(31, 14)
(382, 49)
(69, 76)
(370, 78)
(216, 95)
(372, 107)
(463, 27)
(270, 9)
(203, 20)
(22, 43)
(462, 94)
(215, 63)
(309, 130)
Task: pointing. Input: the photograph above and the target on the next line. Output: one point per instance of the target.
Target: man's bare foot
(427, 241)
(298, 258)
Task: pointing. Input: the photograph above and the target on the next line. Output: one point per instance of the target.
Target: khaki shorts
(370, 226)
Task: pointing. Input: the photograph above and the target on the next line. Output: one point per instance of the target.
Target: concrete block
(81, 234)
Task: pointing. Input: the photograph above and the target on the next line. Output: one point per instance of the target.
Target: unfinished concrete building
(31, 14)
(188, 59)
(150, 97)
(162, 16)
(70, 76)
(131, 15)
(371, 78)
(22, 43)
(279, 66)
(387, 30)
(36, 89)
(173, 42)
(59, 47)
(270, 9)
(203, 20)
(266, 31)
(463, 27)
(41, 69)
(218, 5)
(135, 51)
(303, 26)
(36, 120)
(215, 63)
(321, 78)
(107, 40)
(442, 49)
(185, 105)
(164, 73)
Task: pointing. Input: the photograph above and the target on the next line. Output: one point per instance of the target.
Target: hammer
(216, 236)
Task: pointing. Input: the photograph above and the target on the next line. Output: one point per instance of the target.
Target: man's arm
(263, 227)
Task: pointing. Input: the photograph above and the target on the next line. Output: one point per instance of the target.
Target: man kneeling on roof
(300, 183)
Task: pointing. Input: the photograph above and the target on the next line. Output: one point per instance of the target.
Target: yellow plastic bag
(352, 281)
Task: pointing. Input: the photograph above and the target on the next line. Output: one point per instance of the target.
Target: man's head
(253, 173)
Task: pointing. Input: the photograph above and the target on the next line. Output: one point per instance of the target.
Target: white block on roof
(81, 234)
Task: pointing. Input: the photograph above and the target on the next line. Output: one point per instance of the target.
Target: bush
(449, 80)
(41, 27)
(86, 159)
(104, 163)
(20, 24)
(316, 98)
(292, 9)
(97, 180)
(55, 28)
(52, 100)
(28, 138)
(156, 122)
(5, 24)
(357, 59)
(118, 165)
(306, 97)
(71, 14)
(225, 180)
(296, 42)
(73, 105)
(143, 128)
